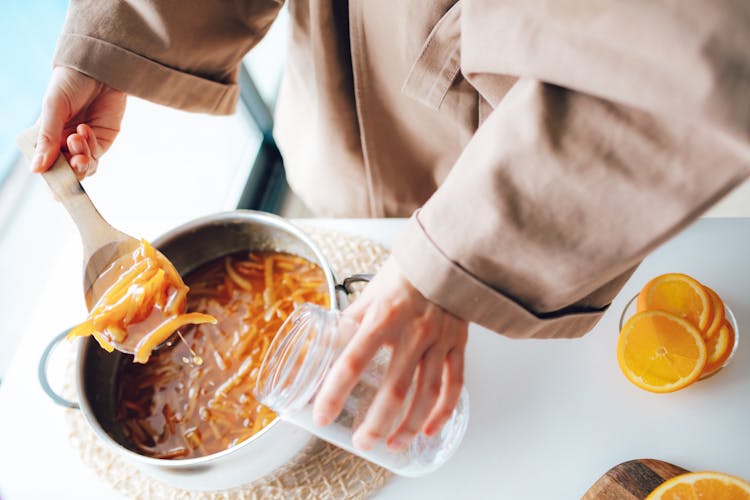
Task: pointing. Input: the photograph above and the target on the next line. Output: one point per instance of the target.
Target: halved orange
(680, 295)
(719, 348)
(717, 318)
(660, 352)
(709, 485)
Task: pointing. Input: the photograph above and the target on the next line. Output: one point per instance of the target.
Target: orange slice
(713, 485)
(660, 352)
(718, 349)
(717, 319)
(680, 295)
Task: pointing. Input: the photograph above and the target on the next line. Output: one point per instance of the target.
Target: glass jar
(296, 364)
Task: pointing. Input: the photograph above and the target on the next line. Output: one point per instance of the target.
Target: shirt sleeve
(180, 54)
(614, 138)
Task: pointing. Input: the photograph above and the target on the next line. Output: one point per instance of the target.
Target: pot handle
(344, 288)
(44, 379)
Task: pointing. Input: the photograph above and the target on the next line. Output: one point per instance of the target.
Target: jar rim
(297, 359)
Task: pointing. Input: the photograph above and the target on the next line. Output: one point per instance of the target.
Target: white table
(547, 417)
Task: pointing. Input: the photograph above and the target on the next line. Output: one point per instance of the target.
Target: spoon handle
(95, 231)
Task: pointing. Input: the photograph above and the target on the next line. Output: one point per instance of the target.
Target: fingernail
(76, 146)
(320, 419)
(36, 163)
(362, 442)
(396, 445)
(433, 429)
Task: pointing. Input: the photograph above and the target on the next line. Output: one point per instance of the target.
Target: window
(165, 168)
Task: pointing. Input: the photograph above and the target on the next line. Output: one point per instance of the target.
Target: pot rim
(228, 216)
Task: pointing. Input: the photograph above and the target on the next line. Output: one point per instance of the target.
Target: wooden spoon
(102, 244)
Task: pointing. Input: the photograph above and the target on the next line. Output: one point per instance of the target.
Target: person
(541, 149)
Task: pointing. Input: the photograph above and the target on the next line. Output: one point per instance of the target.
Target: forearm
(627, 122)
(552, 204)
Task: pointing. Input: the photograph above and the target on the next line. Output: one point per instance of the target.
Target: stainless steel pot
(188, 247)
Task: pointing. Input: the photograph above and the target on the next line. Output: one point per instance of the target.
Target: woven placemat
(319, 471)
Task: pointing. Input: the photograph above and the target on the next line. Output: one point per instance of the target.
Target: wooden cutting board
(632, 480)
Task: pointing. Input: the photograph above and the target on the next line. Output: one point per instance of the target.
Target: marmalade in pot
(184, 404)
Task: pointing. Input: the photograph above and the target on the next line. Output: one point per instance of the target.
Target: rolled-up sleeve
(180, 54)
(595, 157)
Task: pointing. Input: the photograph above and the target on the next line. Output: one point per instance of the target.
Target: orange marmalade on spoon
(142, 305)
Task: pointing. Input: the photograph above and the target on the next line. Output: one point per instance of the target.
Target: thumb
(51, 123)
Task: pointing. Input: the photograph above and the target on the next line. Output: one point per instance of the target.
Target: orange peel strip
(165, 330)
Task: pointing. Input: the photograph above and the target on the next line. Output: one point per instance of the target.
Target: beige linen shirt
(541, 147)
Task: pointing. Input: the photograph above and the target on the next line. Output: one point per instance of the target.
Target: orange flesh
(699, 485)
(663, 356)
(719, 352)
(660, 352)
(680, 295)
(717, 319)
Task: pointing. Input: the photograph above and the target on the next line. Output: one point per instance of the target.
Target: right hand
(80, 117)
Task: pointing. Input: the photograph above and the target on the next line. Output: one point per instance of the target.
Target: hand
(81, 117)
(428, 346)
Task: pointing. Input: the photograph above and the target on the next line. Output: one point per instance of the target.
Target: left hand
(79, 115)
(428, 346)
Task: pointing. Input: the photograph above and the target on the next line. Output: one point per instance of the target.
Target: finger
(347, 369)
(453, 382)
(357, 309)
(82, 166)
(77, 145)
(104, 120)
(373, 289)
(88, 135)
(94, 148)
(81, 159)
(398, 380)
(388, 402)
(428, 388)
(54, 114)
